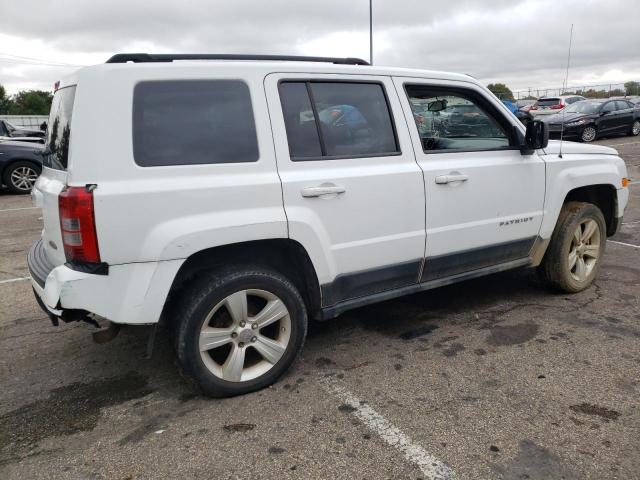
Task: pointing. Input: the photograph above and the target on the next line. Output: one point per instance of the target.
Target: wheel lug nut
(242, 324)
(253, 339)
(241, 344)
(234, 335)
(254, 326)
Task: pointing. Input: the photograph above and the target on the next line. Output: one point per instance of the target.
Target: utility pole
(371, 32)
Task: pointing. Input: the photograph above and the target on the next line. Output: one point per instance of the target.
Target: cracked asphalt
(497, 378)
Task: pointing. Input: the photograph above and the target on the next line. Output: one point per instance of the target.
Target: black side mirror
(536, 136)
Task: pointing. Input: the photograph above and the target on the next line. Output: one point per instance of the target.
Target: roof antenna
(564, 88)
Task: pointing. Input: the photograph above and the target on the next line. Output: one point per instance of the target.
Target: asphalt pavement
(493, 378)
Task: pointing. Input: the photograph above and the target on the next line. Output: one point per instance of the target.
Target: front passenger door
(484, 198)
(608, 120)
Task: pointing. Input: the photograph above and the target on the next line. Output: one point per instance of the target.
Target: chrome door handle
(322, 190)
(442, 179)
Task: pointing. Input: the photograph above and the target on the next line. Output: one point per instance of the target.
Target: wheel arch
(603, 196)
(284, 255)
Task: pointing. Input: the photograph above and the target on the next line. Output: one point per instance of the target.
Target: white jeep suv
(239, 197)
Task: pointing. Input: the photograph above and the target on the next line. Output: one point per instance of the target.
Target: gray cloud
(521, 42)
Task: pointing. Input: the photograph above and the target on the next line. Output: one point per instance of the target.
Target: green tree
(501, 91)
(5, 102)
(632, 88)
(31, 102)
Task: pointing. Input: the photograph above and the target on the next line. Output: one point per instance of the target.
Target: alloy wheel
(24, 178)
(585, 250)
(589, 134)
(635, 130)
(245, 335)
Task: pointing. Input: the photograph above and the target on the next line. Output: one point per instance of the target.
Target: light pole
(371, 32)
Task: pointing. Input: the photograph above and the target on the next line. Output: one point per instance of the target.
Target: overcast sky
(521, 42)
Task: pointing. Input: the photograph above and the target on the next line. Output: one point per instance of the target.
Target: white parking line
(625, 244)
(11, 280)
(16, 209)
(431, 467)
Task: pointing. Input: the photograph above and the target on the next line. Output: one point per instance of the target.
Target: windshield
(583, 107)
(58, 136)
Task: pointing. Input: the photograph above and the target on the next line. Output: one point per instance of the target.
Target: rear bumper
(39, 264)
(132, 293)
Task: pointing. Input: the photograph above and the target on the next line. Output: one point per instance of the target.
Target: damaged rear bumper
(132, 293)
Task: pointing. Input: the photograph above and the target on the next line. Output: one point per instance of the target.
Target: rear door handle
(322, 190)
(442, 179)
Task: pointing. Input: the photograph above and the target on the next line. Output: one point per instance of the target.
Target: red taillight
(560, 106)
(534, 107)
(78, 226)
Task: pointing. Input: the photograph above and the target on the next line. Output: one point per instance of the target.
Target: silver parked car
(551, 105)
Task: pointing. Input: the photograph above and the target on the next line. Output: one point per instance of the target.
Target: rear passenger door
(624, 111)
(352, 190)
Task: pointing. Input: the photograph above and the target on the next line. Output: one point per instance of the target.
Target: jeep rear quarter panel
(160, 213)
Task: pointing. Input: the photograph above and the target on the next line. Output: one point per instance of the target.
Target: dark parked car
(590, 119)
(20, 165)
(8, 130)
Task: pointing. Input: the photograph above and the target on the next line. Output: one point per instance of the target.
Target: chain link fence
(25, 121)
(605, 90)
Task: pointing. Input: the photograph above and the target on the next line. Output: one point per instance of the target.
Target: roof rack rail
(170, 57)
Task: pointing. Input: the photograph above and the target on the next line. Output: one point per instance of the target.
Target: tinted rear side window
(300, 122)
(331, 119)
(191, 122)
(59, 130)
(622, 105)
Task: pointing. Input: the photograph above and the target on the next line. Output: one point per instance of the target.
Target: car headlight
(577, 123)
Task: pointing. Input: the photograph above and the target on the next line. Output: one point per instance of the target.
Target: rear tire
(589, 134)
(20, 177)
(238, 330)
(577, 246)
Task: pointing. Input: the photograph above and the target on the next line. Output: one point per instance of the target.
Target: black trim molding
(460, 262)
(369, 282)
(353, 290)
(335, 310)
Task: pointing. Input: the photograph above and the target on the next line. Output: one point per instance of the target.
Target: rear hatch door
(54, 174)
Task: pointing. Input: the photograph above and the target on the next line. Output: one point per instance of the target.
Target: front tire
(20, 177)
(589, 134)
(577, 246)
(635, 129)
(238, 330)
